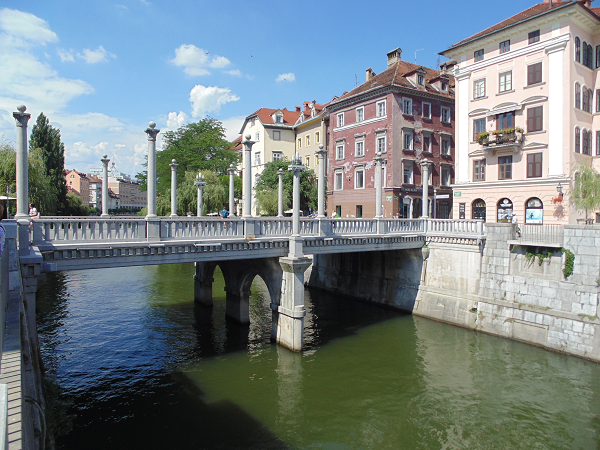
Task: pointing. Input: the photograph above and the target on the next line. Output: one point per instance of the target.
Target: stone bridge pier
(284, 278)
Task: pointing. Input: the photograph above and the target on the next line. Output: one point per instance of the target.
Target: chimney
(394, 56)
(297, 109)
(370, 73)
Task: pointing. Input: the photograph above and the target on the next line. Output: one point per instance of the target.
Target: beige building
(526, 113)
(79, 184)
(310, 133)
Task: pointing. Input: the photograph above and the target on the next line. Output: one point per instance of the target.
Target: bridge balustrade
(88, 230)
(454, 227)
(404, 225)
(273, 226)
(195, 228)
(354, 226)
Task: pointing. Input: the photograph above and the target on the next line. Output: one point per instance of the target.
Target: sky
(100, 71)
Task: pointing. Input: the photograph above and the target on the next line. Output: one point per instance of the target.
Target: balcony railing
(510, 137)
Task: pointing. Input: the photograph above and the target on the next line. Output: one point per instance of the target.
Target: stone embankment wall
(491, 287)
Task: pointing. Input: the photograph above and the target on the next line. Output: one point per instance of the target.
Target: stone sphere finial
(231, 166)
(21, 108)
(173, 161)
(248, 137)
(321, 147)
(378, 154)
(152, 124)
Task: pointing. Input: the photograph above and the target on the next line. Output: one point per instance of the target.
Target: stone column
(200, 183)
(152, 132)
(231, 172)
(321, 183)
(280, 195)
(425, 164)
(295, 248)
(378, 185)
(173, 167)
(105, 200)
(247, 186)
(22, 164)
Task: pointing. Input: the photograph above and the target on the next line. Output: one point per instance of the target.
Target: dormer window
(278, 119)
(444, 86)
(421, 80)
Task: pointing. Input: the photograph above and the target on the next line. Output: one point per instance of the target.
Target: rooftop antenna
(416, 54)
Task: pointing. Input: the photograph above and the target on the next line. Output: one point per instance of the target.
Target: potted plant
(483, 138)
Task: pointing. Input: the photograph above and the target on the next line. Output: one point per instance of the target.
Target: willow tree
(585, 194)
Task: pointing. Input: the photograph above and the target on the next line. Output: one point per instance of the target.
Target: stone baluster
(152, 132)
(174, 167)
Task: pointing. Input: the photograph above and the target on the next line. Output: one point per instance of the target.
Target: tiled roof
(306, 112)
(264, 115)
(529, 13)
(396, 75)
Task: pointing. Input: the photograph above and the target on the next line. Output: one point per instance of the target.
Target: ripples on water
(147, 368)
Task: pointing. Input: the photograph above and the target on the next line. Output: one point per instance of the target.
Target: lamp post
(378, 185)
(200, 183)
(152, 132)
(231, 172)
(321, 182)
(173, 167)
(425, 164)
(559, 189)
(280, 194)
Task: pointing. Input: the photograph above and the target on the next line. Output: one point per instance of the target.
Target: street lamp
(559, 189)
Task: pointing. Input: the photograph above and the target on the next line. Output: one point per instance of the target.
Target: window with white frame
(277, 156)
(360, 148)
(407, 139)
(427, 142)
(257, 159)
(479, 88)
(339, 151)
(316, 161)
(276, 135)
(445, 146)
(278, 118)
(307, 139)
(340, 120)
(359, 178)
(407, 106)
(421, 79)
(317, 138)
(381, 108)
(339, 180)
(445, 116)
(299, 142)
(360, 114)
(445, 176)
(407, 169)
(381, 147)
(505, 82)
(426, 110)
(307, 161)
(257, 136)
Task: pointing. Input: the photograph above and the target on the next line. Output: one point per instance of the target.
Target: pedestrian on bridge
(224, 214)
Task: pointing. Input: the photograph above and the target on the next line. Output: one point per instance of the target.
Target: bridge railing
(199, 228)
(540, 234)
(453, 228)
(88, 229)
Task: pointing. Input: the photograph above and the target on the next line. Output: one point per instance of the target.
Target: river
(140, 366)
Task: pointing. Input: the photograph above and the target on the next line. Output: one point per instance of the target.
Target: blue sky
(102, 70)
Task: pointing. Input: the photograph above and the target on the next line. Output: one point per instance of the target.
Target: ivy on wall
(569, 262)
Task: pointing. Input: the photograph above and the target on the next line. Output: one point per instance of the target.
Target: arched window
(478, 209)
(585, 55)
(534, 211)
(586, 99)
(577, 50)
(590, 57)
(590, 100)
(577, 140)
(505, 210)
(577, 96)
(584, 142)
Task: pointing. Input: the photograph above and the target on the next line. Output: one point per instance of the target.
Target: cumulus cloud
(232, 127)
(209, 99)
(66, 55)
(26, 26)
(196, 61)
(286, 77)
(175, 120)
(234, 72)
(95, 56)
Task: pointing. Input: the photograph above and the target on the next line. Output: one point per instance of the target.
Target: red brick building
(407, 113)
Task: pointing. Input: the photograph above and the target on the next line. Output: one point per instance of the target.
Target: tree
(267, 188)
(47, 138)
(585, 194)
(196, 147)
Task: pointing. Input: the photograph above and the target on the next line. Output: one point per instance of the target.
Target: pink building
(406, 113)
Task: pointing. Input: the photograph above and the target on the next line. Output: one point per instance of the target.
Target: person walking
(224, 213)
(515, 222)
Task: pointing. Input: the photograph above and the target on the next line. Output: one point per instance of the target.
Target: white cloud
(95, 56)
(219, 62)
(120, 146)
(66, 55)
(234, 72)
(196, 61)
(209, 99)
(175, 120)
(26, 26)
(286, 77)
(232, 127)
(84, 123)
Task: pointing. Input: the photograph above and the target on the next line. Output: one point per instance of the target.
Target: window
(277, 156)
(534, 74)
(479, 88)
(577, 50)
(534, 165)
(478, 55)
(278, 119)
(585, 99)
(587, 55)
(359, 211)
(445, 146)
(359, 178)
(276, 135)
(340, 120)
(478, 127)
(427, 143)
(577, 96)
(479, 170)
(307, 161)
(597, 143)
(590, 98)
(339, 179)
(506, 120)
(407, 106)
(534, 36)
(534, 211)
(505, 83)
(317, 138)
(316, 161)
(360, 148)
(445, 177)
(577, 140)
(478, 209)
(444, 86)
(339, 152)
(307, 139)
(381, 144)
(421, 80)
(381, 109)
(407, 140)
(426, 111)
(408, 172)
(360, 114)
(505, 167)
(535, 118)
(445, 114)
(586, 142)
(257, 136)
(505, 46)
(505, 210)
(257, 159)
(299, 142)
(597, 56)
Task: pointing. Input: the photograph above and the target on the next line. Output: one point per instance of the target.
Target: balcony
(501, 140)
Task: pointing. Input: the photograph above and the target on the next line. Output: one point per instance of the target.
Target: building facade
(406, 113)
(526, 113)
(79, 184)
(310, 133)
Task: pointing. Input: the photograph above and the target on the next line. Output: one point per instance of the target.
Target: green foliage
(196, 147)
(74, 207)
(47, 138)
(585, 194)
(267, 188)
(569, 262)
(540, 253)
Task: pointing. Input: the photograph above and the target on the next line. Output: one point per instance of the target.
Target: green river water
(140, 366)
